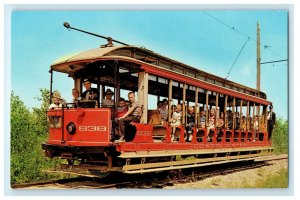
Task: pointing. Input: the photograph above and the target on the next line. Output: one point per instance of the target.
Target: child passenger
(176, 119)
(122, 108)
(120, 112)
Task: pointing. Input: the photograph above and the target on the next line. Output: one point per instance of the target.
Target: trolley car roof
(73, 62)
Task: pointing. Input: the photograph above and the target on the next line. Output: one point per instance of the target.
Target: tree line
(28, 131)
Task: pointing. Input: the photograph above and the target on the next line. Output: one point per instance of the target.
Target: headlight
(71, 128)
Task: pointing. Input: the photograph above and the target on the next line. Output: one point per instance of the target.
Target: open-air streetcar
(86, 137)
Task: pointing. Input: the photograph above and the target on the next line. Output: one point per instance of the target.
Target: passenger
(176, 120)
(76, 97)
(243, 124)
(90, 93)
(237, 120)
(255, 123)
(120, 112)
(173, 108)
(56, 101)
(163, 111)
(190, 123)
(202, 118)
(127, 103)
(132, 115)
(211, 121)
(271, 121)
(54, 121)
(107, 101)
(220, 122)
(255, 126)
(251, 123)
(159, 105)
(261, 123)
(230, 119)
(122, 108)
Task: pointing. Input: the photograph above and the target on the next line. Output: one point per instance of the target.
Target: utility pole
(258, 58)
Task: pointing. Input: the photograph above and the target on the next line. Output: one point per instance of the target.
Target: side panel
(93, 126)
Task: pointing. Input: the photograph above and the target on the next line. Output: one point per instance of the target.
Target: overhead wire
(236, 59)
(241, 33)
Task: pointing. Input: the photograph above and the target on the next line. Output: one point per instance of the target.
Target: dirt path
(236, 180)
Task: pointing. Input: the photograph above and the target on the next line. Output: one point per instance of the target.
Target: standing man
(271, 121)
(132, 115)
(89, 93)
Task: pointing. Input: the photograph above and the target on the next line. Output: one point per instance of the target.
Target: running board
(183, 164)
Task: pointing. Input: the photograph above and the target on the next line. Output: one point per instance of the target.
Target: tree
(40, 114)
(21, 137)
(28, 132)
(280, 136)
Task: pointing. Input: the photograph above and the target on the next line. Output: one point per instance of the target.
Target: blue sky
(192, 37)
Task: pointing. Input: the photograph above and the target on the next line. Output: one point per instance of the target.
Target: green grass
(277, 180)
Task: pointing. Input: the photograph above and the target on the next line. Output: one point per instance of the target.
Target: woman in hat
(108, 98)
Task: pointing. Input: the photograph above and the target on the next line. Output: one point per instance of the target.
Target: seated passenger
(255, 124)
(173, 108)
(132, 115)
(122, 108)
(237, 120)
(164, 111)
(190, 123)
(127, 103)
(176, 119)
(159, 105)
(261, 123)
(55, 122)
(230, 119)
(76, 97)
(243, 124)
(202, 118)
(250, 123)
(90, 93)
(220, 121)
(107, 101)
(120, 112)
(56, 98)
(211, 120)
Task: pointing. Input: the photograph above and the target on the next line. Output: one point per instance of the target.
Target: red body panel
(145, 142)
(93, 126)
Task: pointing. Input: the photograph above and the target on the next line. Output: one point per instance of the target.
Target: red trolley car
(86, 134)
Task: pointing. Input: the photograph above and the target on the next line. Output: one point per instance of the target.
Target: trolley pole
(258, 58)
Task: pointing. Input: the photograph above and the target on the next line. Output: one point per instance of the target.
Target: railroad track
(153, 180)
